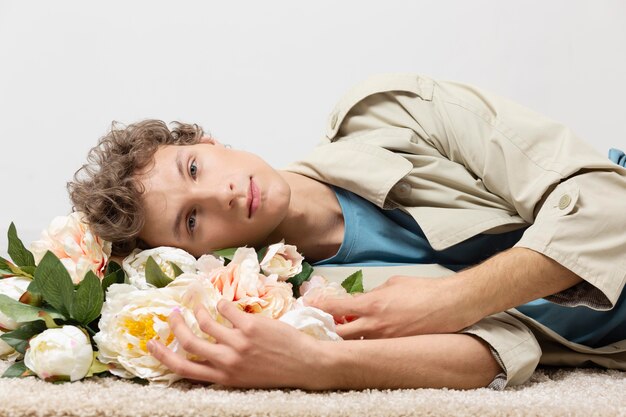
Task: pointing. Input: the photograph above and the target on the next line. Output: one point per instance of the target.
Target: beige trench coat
(462, 161)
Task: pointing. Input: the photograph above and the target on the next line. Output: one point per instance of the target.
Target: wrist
(326, 366)
(464, 297)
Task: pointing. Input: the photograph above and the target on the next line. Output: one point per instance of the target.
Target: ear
(210, 140)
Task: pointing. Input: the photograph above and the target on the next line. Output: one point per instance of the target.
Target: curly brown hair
(106, 188)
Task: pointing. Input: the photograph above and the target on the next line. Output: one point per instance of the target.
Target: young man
(435, 172)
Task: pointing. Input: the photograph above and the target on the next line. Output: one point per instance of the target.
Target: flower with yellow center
(130, 318)
(143, 329)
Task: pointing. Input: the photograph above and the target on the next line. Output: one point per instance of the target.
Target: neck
(312, 218)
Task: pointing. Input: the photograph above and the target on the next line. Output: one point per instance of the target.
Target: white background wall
(264, 75)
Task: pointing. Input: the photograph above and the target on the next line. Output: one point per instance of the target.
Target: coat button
(564, 201)
(404, 188)
(333, 120)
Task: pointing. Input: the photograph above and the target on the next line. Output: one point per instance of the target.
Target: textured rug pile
(550, 392)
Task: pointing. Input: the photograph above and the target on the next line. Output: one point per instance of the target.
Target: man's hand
(405, 306)
(257, 352)
(402, 306)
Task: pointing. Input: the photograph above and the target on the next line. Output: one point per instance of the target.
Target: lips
(254, 198)
(250, 198)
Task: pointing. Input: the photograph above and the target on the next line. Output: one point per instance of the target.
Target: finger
(210, 326)
(354, 330)
(338, 307)
(380, 287)
(192, 343)
(232, 313)
(182, 366)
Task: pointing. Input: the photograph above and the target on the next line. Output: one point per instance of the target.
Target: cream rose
(71, 240)
(282, 260)
(278, 297)
(312, 321)
(318, 286)
(207, 263)
(239, 279)
(14, 288)
(135, 264)
(65, 351)
(198, 290)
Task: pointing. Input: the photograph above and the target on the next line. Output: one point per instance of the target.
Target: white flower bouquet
(68, 312)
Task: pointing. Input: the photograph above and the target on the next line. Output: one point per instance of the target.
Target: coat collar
(343, 165)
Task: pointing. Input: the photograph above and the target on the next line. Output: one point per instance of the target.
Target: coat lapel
(343, 166)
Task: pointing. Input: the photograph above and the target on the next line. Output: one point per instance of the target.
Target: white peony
(14, 288)
(71, 240)
(312, 321)
(132, 317)
(135, 264)
(65, 352)
(282, 260)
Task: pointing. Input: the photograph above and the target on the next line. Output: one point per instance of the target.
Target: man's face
(206, 187)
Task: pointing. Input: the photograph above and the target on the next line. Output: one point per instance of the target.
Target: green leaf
(23, 313)
(154, 274)
(176, 268)
(112, 267)
(261, 253)
(88, 299)
(5, 267)
(354, 283)
(18, 338)
(297, 280)
(96, 367)
(20, 255)
(139, 381)
(30, 270)
(114, 275)
(227, 253)
(16, 270)
(4, 262)
(55, 284)
(17, 370)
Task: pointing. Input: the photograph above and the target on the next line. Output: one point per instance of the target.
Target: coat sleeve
(572, 196)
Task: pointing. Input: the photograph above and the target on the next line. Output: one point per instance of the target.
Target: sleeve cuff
(512, 344)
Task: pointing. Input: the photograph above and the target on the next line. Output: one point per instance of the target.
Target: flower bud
(61, 352)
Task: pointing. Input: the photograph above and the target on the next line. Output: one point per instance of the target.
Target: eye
(193, 169)
(191, 221)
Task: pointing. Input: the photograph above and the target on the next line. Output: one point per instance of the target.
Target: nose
(220, 197)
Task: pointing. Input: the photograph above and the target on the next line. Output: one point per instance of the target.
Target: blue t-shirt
(378, 237)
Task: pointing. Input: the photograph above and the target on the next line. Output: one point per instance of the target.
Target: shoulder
(420, 85)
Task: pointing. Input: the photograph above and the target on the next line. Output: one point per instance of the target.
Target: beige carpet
(550, 392)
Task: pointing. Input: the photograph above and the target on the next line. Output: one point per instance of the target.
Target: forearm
(509, 279)
(458, 361)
